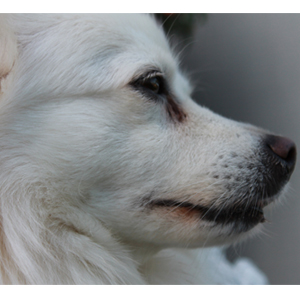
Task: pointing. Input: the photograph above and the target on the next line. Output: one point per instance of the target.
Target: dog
(109, 172)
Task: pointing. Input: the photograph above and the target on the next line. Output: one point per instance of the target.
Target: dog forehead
(93, 32)
(132, 43)
(91, 45)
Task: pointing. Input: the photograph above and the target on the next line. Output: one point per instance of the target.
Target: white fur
(81, 153)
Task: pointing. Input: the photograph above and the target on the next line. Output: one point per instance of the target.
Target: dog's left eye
(155, 84)
(151, 85)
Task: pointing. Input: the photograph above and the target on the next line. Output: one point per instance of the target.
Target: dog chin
(238, 222)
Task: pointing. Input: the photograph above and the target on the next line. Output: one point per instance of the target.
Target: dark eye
(155, 84)
(152, 85)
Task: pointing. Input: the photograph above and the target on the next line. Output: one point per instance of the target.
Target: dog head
(101, 118)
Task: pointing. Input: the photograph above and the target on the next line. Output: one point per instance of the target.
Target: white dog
(109, 171)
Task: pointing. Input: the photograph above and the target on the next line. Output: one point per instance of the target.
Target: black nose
(282, 149)
(280, 159)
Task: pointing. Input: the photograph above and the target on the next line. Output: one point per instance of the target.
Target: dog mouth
(248, 216)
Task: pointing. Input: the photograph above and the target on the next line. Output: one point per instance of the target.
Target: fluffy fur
(104, 177)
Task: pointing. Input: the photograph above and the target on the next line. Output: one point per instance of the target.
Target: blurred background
(247, 67)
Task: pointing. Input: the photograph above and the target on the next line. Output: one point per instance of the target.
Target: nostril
(283, 148)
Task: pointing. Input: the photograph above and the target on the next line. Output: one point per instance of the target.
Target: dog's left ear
(8, 52)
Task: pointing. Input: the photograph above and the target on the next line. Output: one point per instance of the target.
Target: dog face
(104, 118)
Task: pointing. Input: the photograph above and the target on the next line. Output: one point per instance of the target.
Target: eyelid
(152, 74)
(146, 75)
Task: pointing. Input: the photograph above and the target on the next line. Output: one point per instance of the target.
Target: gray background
(247, 67)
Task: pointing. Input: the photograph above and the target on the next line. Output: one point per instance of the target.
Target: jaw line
(235, 214)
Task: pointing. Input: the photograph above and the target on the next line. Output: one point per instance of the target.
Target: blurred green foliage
(182, 25)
